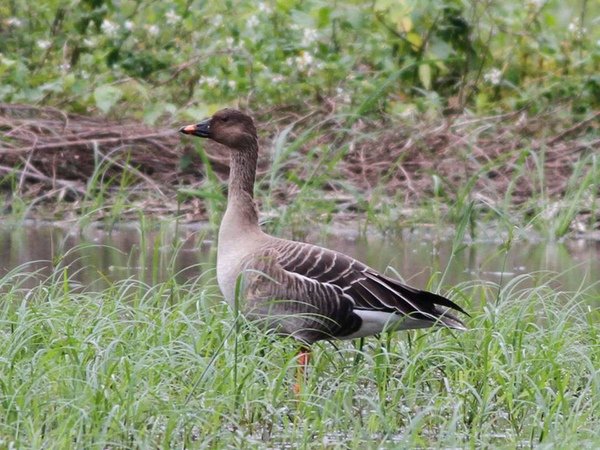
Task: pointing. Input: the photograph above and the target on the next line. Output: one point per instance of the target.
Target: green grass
(166, 365)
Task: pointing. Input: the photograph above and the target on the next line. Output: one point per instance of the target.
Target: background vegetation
(187, 58)
(372, 93)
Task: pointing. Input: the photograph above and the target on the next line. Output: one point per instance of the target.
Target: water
(97, 258)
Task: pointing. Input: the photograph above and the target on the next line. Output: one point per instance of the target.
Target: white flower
(252, 21)
(172, 17)
(153, 30)
(84, 75)
(536, 4)
(43, 44)
(309, 36)
(109, 28)
(232, 84)
(343, 95)
(128, 25)
(494, 76)
(229, 41)
(211, 82)
(304, 61)
(278, 78)
(14, 22)
(217, 20)
(65, 67)
(576, 29)
(573, 26)
(264, 8)
(89, 42)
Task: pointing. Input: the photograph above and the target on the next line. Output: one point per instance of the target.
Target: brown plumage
(299, 289)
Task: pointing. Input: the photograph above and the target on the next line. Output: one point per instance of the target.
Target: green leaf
(382, 5)
(106, 97)
(440, 49)
(425, 75)
(153, 112)
(324, 17)
(415, 40)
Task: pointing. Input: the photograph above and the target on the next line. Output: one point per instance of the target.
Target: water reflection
(96, 258)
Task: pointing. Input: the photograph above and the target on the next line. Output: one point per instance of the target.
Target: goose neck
(241, 210)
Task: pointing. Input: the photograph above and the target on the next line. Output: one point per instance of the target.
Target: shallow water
(96, 257)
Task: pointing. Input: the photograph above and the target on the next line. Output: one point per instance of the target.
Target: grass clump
(133, 365)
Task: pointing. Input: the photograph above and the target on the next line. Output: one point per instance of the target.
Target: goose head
(229, 127)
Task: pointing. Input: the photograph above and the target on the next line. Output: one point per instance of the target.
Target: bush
(154, 58)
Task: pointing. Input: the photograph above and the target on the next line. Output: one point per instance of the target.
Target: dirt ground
(49, 157)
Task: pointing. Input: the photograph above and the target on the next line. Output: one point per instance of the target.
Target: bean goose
(299, 289)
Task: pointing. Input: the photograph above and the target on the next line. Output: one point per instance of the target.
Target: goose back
(313, 293)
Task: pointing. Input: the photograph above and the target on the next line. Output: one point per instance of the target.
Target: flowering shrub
(180, 57)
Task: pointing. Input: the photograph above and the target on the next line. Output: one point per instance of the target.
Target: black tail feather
(420, 297)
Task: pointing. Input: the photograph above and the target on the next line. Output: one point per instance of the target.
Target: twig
(86, 142)
(64, 183)
(573, 129)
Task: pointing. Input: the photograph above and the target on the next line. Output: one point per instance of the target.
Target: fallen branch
(40, 177)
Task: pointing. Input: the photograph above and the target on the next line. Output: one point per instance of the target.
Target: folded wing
(367, 289)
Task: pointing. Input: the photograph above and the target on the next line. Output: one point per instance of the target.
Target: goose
(298, 289)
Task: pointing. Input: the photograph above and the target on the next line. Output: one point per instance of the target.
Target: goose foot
(303, 360)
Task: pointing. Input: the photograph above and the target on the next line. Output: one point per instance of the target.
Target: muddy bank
(61, 162)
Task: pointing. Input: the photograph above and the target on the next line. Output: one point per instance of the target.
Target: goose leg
(303, 360)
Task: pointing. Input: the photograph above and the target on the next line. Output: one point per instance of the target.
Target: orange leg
(303, 360)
